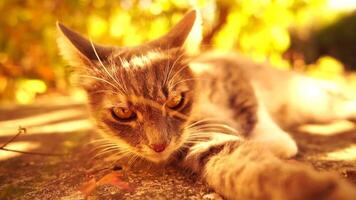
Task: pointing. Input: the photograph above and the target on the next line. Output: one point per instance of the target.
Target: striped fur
(247, 170)
(225, 129)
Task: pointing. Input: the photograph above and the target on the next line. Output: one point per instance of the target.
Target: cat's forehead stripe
(142, 61)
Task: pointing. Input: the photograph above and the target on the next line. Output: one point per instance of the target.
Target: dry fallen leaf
(113, 178)
(88, 187)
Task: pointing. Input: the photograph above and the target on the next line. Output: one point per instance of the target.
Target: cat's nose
(158, 147)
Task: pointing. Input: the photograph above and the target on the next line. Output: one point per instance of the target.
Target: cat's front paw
(281, 145)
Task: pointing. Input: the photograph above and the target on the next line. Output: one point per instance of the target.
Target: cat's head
(140, 97)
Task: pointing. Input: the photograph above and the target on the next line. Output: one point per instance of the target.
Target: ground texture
(63, 128)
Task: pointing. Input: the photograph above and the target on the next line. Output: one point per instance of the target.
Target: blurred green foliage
(29, 60)
(336, 39)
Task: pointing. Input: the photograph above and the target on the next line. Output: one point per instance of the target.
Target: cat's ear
(78, 50)
(187, 30)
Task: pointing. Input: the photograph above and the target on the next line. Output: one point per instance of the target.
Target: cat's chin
(161, 158)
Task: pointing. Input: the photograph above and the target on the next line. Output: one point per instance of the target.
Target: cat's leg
(248, 171)
(276, 139)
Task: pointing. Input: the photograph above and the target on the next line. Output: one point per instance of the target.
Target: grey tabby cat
(215, 113)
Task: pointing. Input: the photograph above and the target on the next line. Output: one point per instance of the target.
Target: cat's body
(290, 98)
(257, 99)
(151, 101)
(228, 92)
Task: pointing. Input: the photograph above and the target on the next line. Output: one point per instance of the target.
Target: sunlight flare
(19, 146)
(328, 129)
(348, 153)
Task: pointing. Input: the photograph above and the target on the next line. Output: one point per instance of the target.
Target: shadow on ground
(60, 177)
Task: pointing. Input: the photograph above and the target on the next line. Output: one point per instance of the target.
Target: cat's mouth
(161, 156)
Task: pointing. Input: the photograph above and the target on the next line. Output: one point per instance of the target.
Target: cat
(217, 112)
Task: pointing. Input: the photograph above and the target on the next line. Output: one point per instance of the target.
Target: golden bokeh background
(290, 34)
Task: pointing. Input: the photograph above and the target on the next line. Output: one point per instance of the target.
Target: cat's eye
(175, 101)
(122, 113)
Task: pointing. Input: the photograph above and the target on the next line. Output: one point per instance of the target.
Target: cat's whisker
(171, 68)
(132, 159)
(210, 128)
(216, 129)
(114, 150)
(199, 134)
(195, 142)
(180, 70)
(99, 155)
(108, 149)
(118, 156)
(166, 69)
(115, 159)
(105, 69)
(105, 91)
(175, 74)
(101, 141)
(101, 147)
(100, 79)
(105, 143)
(185, 80)
(206, 134)
(199, 131)
(121, 79)
(201, 121)
(198, 138)
(108, 146)
(136, 158)
(120, 153)
(121, 82)
(97, 141)
(97, 150)
(216, 125)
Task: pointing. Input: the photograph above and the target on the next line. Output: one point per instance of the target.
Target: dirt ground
(60, 177)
